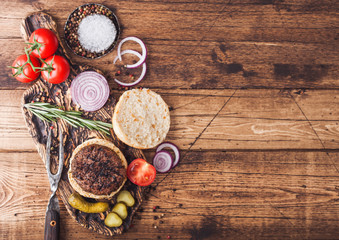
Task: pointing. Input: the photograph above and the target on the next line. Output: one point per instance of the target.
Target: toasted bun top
(73, 181)
(141, 118)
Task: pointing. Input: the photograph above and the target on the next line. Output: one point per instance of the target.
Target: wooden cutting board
(59, 94)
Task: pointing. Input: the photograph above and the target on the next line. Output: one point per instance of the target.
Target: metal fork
(52, 223)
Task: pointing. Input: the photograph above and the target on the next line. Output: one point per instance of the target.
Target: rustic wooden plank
(201, 15)
(249, 44)
(213, 45)
(38, 130)
(273, 118)
(237, 194)
(252, 119)
(269, 65)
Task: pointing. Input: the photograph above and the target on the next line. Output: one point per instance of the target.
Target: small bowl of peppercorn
(91, 31)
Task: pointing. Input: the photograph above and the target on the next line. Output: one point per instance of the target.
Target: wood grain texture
(209, 44)
(43, 91)
(253, 91)
(251, 119)
(236, 195)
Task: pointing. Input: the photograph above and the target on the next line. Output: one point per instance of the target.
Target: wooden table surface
(253, 88)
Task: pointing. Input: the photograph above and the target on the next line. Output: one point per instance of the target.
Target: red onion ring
(90, 90)
(162, 161)
(143, 47)
(141, 75)
(175, 150)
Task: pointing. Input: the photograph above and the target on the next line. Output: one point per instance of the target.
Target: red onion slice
(162, 161)
(174, 148)
(143, 72)
(142, 57)
(90, 90)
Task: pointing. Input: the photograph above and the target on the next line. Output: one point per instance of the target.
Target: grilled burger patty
(98, 170)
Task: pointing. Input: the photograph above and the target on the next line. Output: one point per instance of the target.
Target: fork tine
(48, 153)
(61, 154)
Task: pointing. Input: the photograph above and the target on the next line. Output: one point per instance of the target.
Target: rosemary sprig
(50, 113)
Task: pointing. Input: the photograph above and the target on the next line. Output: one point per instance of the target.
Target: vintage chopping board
(59, 94)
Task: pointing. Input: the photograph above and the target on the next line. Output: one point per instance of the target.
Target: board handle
(52, 225)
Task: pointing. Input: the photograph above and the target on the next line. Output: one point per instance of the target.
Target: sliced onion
(142, 57)
(90, 90)
(143, 72)
(163, 161)
(174, 148)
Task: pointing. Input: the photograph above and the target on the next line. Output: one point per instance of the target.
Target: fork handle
(52, 225)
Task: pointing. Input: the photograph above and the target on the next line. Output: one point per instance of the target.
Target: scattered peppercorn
(155, 217)
(161, 222)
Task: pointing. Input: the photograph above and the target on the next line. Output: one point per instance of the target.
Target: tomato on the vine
(140, 172)
(44, 43)
(23, 71)
(55, 69)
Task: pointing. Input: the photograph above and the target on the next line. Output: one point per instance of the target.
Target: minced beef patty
(98, 170)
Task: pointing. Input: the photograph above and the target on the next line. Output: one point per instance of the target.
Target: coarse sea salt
(96, 33)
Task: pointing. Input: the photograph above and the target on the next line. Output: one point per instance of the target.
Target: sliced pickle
(113, 220)
(121, 210)
(126, 197)
(78, 202)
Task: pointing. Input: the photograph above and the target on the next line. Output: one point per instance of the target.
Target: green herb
(50, 113)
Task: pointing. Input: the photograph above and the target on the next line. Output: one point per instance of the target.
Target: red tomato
(25, 73)
(47, 41)
(59, 71)
(141, 172)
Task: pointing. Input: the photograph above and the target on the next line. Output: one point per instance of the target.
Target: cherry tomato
(141, 172)
(60, 70)
(25, 72)
(47, 40)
